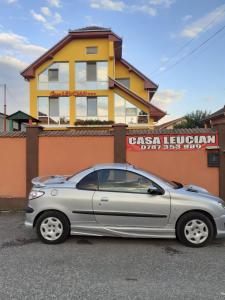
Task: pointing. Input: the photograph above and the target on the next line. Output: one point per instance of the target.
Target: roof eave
(29, 72)
(154, 111)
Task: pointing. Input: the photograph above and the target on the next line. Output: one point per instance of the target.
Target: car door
(122, 199)
(79, 200)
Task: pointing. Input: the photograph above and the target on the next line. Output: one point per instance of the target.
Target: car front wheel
(52, 227)
(195, 229)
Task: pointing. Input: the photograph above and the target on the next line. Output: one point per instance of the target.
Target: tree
(194, 120)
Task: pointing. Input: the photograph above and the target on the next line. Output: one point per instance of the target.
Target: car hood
(199, 191)
(195, 189)
(49, 180)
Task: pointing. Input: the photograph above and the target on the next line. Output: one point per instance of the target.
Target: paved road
(105, 268)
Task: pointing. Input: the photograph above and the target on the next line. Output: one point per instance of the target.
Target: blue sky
(153, 33)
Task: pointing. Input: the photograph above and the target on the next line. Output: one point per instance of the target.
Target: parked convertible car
(121, 200)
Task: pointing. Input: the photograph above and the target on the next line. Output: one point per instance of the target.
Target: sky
(179, 44)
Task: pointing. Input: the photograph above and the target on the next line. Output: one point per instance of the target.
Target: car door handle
(104, 199)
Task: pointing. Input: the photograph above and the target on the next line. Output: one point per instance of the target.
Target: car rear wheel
(195, 229)
(52, 227)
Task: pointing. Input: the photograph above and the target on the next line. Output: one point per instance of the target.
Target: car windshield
(173, 184)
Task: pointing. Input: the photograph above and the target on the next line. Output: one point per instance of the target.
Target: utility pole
(4, 92)
(4, 128)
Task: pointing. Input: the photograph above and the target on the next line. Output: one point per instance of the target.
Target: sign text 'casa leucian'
(71, 93)
(171, 141)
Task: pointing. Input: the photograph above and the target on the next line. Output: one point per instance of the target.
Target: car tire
(195, 229)
(53, 227)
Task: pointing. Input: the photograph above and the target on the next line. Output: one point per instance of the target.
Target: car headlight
(35, 194)
(222, 203)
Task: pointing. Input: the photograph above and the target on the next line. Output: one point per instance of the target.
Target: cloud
(17, 88)
(50, 20)
(186, 18)
(11, 43)
(166, 97)
(144, 9)
(46, 11)
(148, 7)
(166, 3)
(208, 21)
(16, 53)
(11, 1)
(209, 98)
(55, 3)
(108, 5)
(38, 17)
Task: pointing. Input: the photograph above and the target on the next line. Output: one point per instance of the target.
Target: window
(91, 75)
(89, 182)
(55, 77)
(124, 81)
(213, 158)
(92, 108)
(122, 181)
(91, 71)
(125, 112)
(54, 111)
(91, 50)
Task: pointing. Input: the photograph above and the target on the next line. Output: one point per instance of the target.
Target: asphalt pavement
(105, 268)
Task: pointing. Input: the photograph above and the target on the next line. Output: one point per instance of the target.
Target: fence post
(221, 135)
(32, 146)
(119, 142)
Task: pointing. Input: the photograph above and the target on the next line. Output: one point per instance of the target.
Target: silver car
(121, 200)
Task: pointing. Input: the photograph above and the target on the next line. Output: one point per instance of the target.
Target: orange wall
(12, 167)
(182, 166)
(67, 155)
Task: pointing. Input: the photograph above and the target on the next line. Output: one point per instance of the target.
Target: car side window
(89, 182)
(122, 181)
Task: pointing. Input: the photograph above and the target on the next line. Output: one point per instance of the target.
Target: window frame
(87, 82)
(77, 184)
(47, 83)
(110, 191)
(91, 47)
(124, 78)
(98, 116)
(51, 116)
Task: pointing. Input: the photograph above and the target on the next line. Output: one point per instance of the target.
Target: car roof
(124, 166)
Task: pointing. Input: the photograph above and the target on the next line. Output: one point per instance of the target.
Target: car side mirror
(153, 190)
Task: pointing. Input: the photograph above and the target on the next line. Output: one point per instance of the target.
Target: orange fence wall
(182, 166)
(12, 167)
(67, 155)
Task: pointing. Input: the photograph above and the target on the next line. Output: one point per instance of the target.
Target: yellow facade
(75, 51)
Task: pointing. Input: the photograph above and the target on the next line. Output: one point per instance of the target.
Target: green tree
(194, 119)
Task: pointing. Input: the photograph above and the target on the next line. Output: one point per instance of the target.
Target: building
(171, 124)
(84, 77)
(2, 122)
(216, 118)
(19, 120)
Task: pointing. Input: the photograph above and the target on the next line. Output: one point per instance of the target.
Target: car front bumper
(220, 225)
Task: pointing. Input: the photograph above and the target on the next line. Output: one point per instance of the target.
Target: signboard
(171, 142)
(71, 93)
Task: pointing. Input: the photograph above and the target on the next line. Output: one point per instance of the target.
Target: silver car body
(103, 213)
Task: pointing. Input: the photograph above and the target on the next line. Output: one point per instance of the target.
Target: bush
(93, 122)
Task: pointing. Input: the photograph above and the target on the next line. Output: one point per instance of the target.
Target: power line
(187, 44)
(195, 49)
